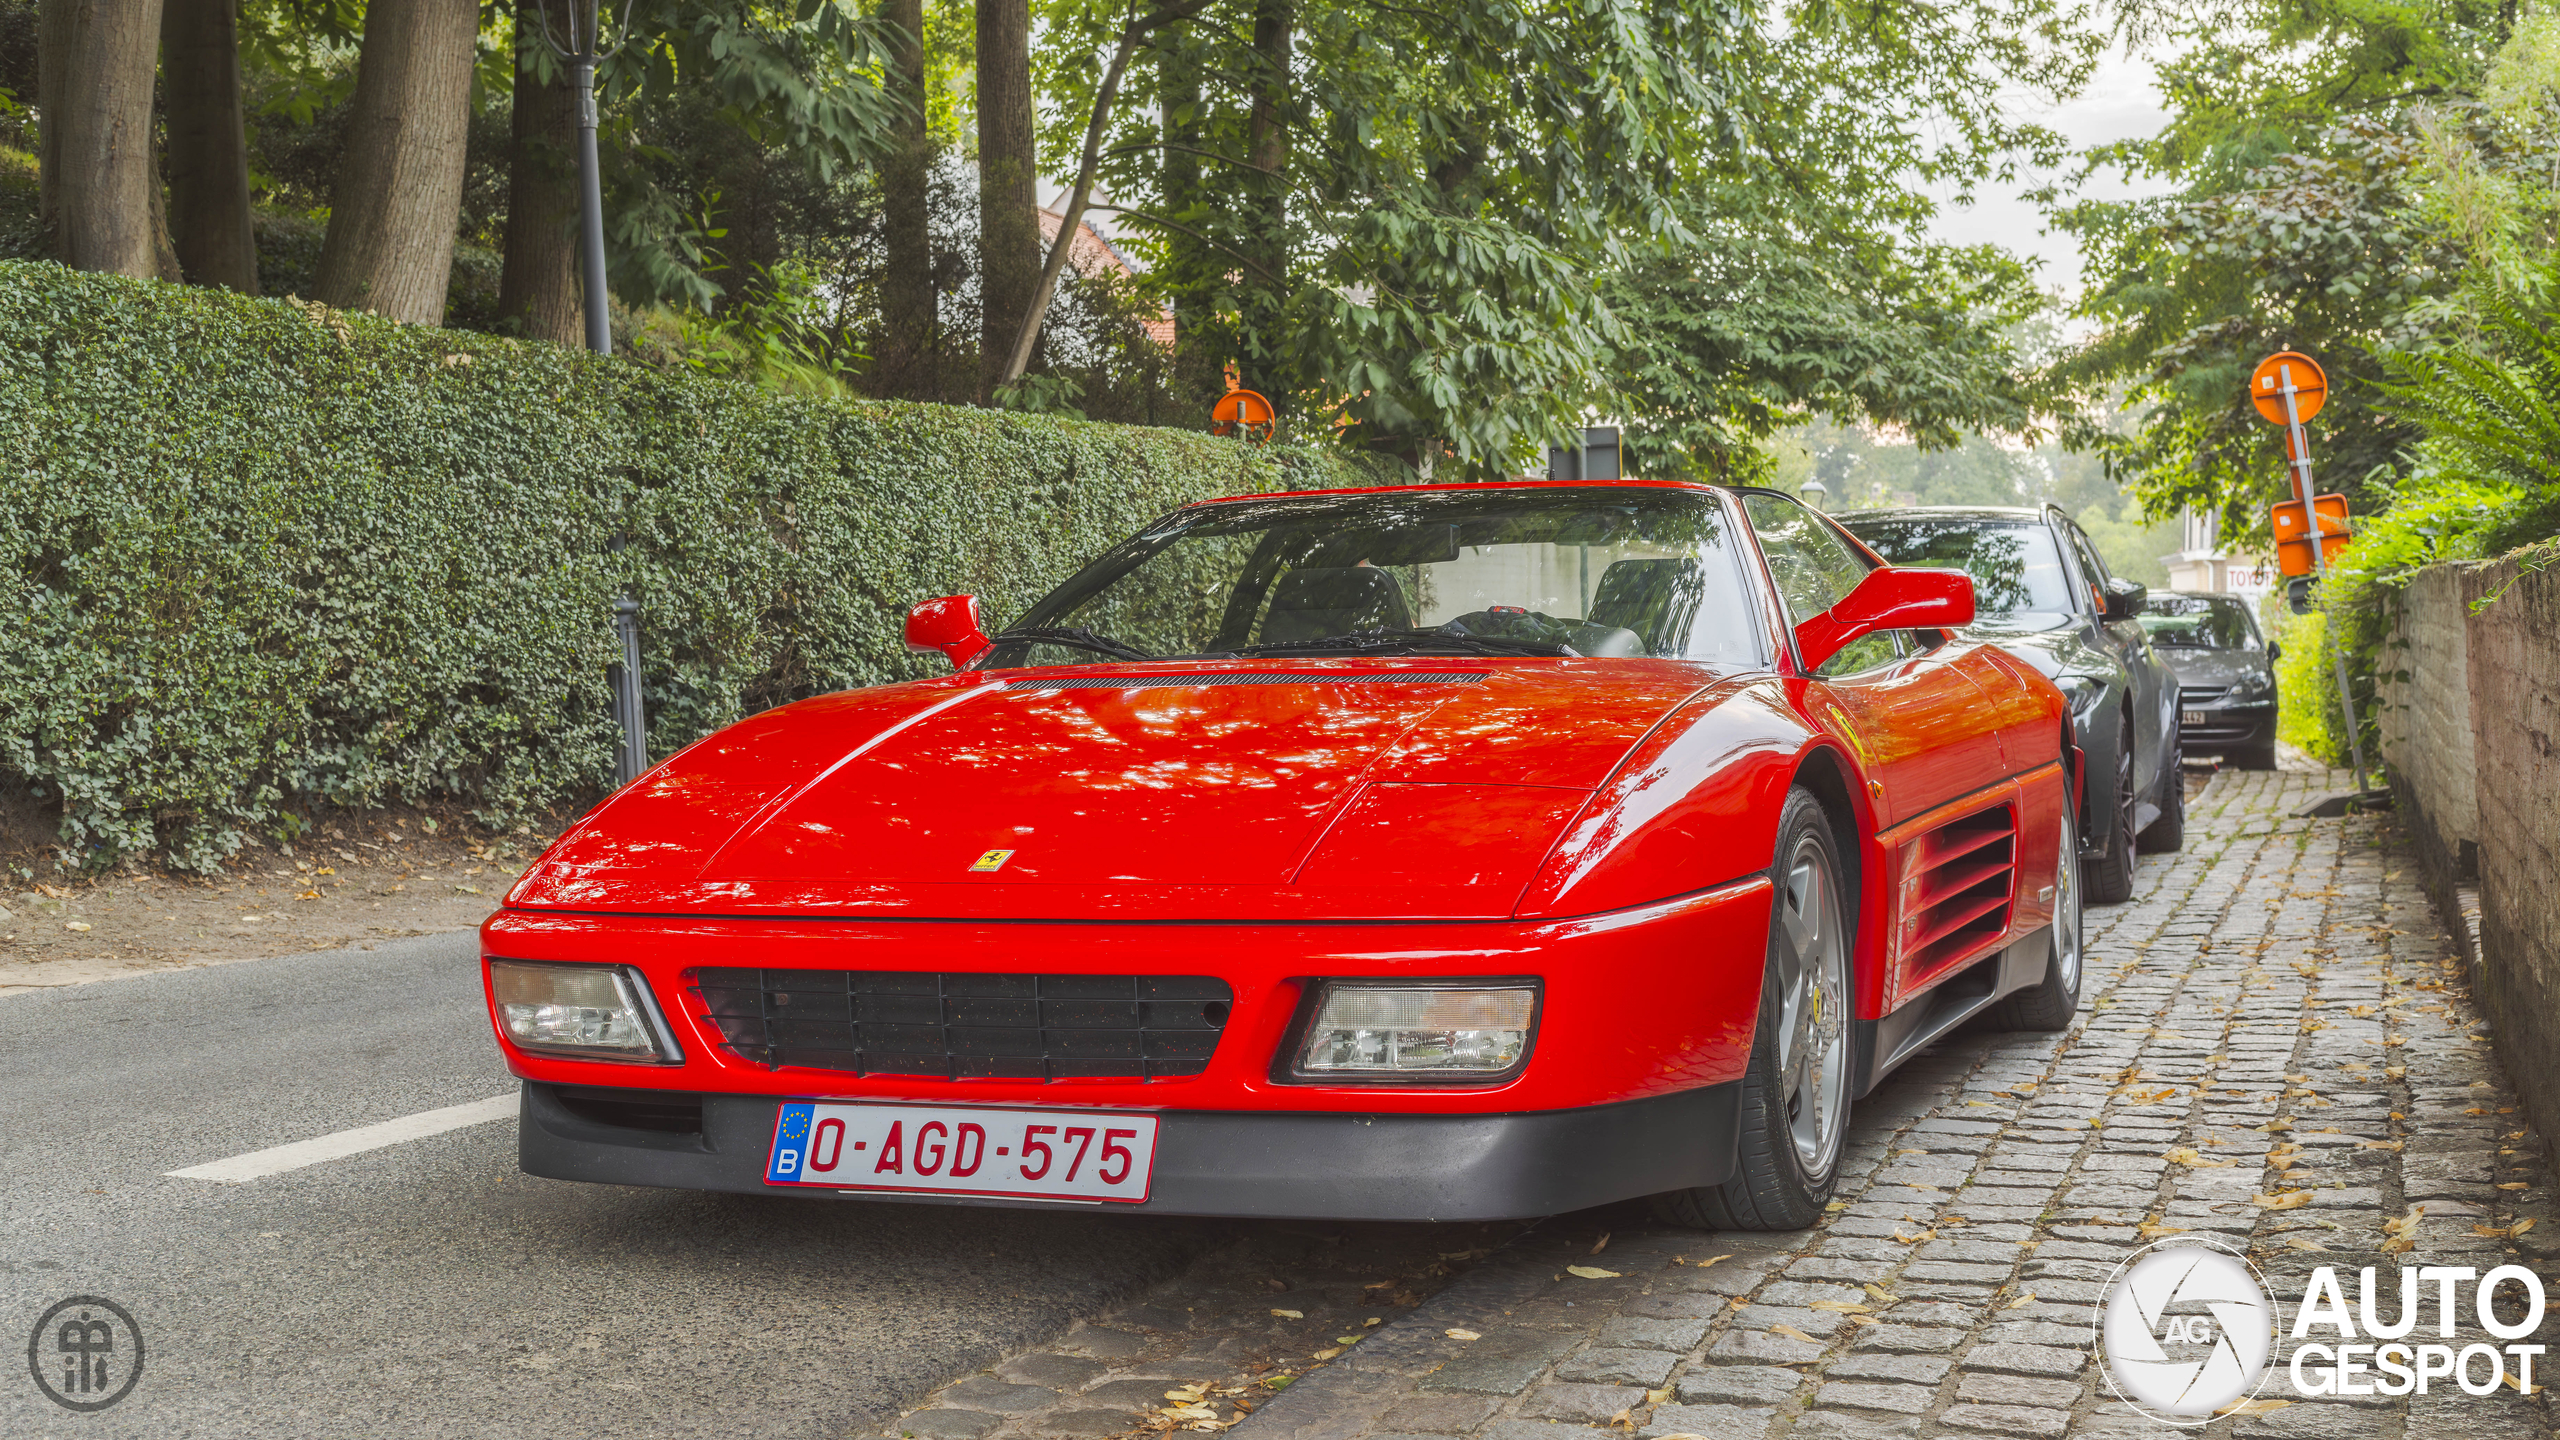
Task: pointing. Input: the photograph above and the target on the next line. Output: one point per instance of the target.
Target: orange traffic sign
(1242, 411)
(2267, 382)
(2293, 533)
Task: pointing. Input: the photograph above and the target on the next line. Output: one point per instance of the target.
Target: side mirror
(1893, 597)
(948, 626)
(2122, 599)
(2275, 652)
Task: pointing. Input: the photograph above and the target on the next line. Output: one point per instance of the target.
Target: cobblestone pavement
(2274, 1050)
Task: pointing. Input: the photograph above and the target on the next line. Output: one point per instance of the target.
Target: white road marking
(277, 1160)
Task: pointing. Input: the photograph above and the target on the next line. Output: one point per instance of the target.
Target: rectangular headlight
(596, 1012)
(1454, 1032)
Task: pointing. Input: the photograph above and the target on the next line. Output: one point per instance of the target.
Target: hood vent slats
(1252, 677)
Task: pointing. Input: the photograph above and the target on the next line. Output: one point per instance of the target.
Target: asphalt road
(429, 1288)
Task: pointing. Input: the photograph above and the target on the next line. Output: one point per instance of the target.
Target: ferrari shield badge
(992, 861)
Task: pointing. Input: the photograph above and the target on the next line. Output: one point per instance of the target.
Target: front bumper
(2230, 727)
(1268, 1164)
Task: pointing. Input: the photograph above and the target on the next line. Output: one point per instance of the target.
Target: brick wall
(2426, 719)
(2514, 662)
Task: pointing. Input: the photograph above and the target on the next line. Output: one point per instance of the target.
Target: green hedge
(266, 553)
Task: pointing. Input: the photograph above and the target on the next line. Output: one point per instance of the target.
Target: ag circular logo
(86, 1353)
(2185, 1327)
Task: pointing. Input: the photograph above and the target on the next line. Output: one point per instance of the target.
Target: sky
(2121, 102)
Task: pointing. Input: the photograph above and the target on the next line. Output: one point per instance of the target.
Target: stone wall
(2426, 720)
(2471, 732)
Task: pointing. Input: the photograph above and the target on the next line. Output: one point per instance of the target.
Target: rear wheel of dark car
(1795, 1088)
(2049, 1004)
(2110, 876)
(2168, 831)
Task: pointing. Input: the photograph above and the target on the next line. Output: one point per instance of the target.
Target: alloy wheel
(2066, 911)
(1813, 1015)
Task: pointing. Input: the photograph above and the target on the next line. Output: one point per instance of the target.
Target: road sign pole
(2304, 493)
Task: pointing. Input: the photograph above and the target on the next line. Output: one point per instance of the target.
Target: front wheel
(1795, 1089)
(2169, 831)
(2110, 876)
(2049, 1004)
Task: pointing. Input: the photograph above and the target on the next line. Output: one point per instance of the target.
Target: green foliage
(1449, 228)
(261, 550)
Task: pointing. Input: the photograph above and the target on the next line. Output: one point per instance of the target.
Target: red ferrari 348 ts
(1443, 852)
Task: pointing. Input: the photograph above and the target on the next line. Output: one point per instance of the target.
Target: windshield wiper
(1381, 640)
(1076, 637)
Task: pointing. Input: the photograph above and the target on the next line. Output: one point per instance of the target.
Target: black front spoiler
(1291, 1164)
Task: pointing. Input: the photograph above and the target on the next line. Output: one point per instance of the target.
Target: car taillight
(1417, 1032)
(594, 1012)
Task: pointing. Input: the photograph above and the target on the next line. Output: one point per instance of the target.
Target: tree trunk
(1192, 276)
(208, 149)
(907, 302)
(1008, 184)
(1266, 196)
(399, 190)
(97, 182)
(538, 287)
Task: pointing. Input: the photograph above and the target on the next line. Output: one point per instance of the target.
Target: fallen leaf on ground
(1600, 1244)
(1329, 1354)
(2513, 1185)
(1915, 1239)
(1290, 1314)
(1462, 1334)
(1880, 1292)
(2282, 1200)
(2510, 1380)
(1624, 1419)
(1839, 1307)
(2304, 1242)
(1658, 1397)
(2188, 1155)
(1700, 1264)
(1346, 1339)
(2398, 1245)
(76, 925)
(1591, 1272)
(2408, 1223)
(2381, 1144)
(2153, 1230)
(2025, 1297)
(1793, 1333)
(2253, 1407)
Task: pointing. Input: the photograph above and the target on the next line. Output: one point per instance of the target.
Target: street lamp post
(1813, 493)
(584, 51)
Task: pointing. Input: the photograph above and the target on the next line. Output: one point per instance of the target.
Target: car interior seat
(1309, 604)
(1654, 598)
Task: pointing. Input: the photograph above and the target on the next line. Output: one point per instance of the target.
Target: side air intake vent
(1957, 884)
(1252, 677)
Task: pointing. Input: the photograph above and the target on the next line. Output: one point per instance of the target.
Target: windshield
(2198, 622)
(2014, 564)
(1582, 571)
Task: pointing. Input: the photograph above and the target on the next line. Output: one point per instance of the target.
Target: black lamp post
(584, 51)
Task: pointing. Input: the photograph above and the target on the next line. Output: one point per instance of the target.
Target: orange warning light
(1242, 412)
(2267, 382)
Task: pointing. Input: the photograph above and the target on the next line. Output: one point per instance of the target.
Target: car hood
(1219, 791)
(2206, 668)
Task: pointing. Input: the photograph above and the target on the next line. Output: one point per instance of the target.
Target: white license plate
(2194, 717)
(1088, 1155)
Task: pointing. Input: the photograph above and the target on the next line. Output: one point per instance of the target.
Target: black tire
(1776, 1184)
(2050, 1004)
(2168, 832)
(2255, 757)
(2109, 878)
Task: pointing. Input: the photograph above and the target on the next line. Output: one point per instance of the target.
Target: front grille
(1253, 677)
(967, 1026)
(2195, 695)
